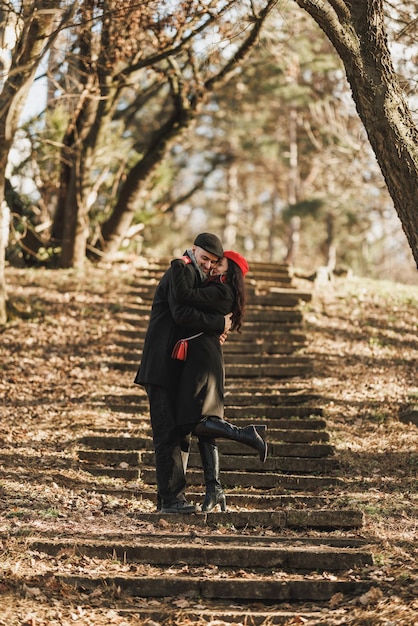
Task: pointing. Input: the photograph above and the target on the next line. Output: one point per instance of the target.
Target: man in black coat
(159, 373)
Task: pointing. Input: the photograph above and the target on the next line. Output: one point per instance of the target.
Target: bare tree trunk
(71, 224)
(292, 190)
(37, 30)
(186, 104)
(4, 236)
(293, 185)
(357, 31)
(231, 218)
(293, 241)
(330, 248)
(131, 193)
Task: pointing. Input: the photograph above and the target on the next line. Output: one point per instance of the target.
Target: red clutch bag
(181, 347)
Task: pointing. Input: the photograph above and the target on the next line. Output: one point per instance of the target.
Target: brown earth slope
(54, 356)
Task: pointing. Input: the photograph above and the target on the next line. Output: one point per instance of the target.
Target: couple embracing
(200, 297)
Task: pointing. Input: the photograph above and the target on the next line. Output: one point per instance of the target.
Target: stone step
(237, 360)
(277, 296)
(242, 346)
(232, 479)
(143, 442)
(261, 318)
(159, 551)
(262, 359)
(287, 334)
(299, 589)
(274, 413)
(265, 327)
(251, 501)
(237, 462)
(216, 613)
(233, 398)
(260, 346)
(268, 391)
(272, 386)
(258, 270)
(276, 452)
(139, 422)
(140, 301)
(246, 480)
(250, 395)
(293, 367)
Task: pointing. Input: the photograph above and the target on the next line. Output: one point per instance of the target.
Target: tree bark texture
(356, 30)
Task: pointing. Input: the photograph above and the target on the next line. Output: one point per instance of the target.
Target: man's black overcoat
(201, 385)
(170, 321)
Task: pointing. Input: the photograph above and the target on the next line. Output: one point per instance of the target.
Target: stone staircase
(285, 551)
(287, 544)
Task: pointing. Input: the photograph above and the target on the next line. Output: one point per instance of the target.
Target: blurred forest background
(143, 123)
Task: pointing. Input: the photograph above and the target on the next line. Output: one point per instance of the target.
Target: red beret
(238, 259)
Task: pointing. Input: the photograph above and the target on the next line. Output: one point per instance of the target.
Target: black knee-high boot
(210, 463)
(219, 428)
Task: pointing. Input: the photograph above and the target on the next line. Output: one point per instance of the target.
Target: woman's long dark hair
(235, 278)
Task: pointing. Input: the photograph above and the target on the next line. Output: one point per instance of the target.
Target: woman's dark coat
(201, 384)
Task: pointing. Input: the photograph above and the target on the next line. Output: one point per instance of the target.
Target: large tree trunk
(356, 30)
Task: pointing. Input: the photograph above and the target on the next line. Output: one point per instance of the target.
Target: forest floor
(54, 353)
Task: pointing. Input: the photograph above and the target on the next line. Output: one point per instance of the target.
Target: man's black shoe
(181, 506)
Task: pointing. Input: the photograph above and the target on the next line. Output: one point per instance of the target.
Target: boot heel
(213, 498)
(251, 437)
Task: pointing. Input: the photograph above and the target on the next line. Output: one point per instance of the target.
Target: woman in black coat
(200, 406)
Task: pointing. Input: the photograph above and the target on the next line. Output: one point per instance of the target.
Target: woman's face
(220, 267)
